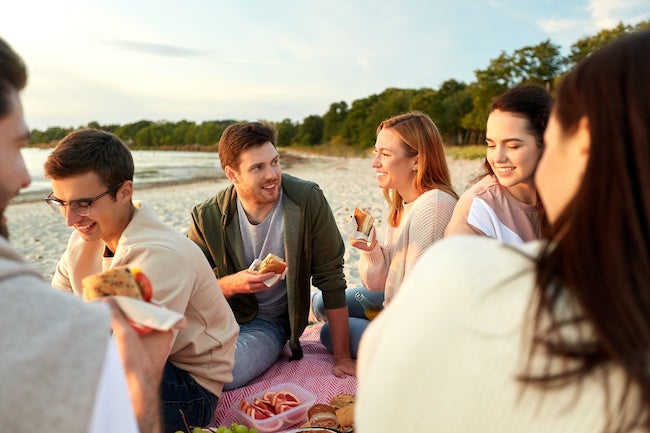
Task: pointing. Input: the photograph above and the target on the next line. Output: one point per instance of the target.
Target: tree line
(459, 109)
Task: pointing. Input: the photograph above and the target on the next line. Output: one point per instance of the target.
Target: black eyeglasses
(81, 207)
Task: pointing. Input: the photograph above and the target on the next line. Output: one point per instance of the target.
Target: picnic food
(339, 414)
(272, 263)
(345, 416)
(364, 220)
(341, 400)
(272, 403)
(232, 428)
(118, 281)
(322, 415)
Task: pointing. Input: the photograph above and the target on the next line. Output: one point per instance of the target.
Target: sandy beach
(42, 235)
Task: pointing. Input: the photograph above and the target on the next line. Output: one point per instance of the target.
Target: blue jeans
(179, 391)
(259, 344)
(357, 319)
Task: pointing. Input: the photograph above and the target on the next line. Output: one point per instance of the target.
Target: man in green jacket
(262, 212)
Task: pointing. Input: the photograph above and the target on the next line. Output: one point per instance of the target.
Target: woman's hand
(363, 244)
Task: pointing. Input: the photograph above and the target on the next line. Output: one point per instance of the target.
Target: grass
(468, 151)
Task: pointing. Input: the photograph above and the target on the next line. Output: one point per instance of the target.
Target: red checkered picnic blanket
(313, 372)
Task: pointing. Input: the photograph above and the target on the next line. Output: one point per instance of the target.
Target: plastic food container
(287, 418)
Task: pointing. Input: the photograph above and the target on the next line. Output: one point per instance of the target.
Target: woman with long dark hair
(549, 336)
(503, 203)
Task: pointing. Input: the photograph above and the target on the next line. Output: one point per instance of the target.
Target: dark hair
(530, 102)
(91, 150)
(240, 137)
(534, 104)
(421, 138)
(13, 75)
(598, 263)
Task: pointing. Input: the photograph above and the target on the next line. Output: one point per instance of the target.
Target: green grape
(252, 430)
(241, 429)
(227, 431)
(221, 429)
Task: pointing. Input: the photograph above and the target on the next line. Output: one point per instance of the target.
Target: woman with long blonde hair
(412, 171)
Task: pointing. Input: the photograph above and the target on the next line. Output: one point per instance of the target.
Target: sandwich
(364, 221)
(322, 415)
(272, 263)
(118, 281)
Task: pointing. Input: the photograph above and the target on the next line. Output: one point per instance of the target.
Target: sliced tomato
(145, 285)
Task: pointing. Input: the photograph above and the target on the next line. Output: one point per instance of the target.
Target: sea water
(151, 167)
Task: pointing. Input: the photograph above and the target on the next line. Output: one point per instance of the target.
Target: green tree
(287, 131)
(310, 132)
(537, 65)
(334, 120)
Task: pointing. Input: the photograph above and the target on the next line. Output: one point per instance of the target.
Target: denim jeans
(259, 344)
(179, 391)
(357, 319)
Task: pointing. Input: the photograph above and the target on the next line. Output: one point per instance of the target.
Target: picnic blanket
(313, 372)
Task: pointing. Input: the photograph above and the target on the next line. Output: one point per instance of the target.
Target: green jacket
(313, 250)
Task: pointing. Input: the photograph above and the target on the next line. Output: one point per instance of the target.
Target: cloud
(608, 13)
(158, 49)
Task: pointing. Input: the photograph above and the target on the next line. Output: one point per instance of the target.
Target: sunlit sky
(118, 61)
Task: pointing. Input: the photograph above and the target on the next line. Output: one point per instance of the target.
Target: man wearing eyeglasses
(91, 172)
(60, 369)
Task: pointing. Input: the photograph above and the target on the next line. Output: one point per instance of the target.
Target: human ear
(125, 192)
(231, 174)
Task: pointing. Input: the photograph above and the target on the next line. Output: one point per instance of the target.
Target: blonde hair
(421, 138)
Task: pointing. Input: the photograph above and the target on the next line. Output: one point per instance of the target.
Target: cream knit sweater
(423, 222)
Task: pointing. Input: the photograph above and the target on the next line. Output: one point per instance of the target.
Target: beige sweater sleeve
(423, 222)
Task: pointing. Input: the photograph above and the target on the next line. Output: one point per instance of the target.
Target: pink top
(489, 209)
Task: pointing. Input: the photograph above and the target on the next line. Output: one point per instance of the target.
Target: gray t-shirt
(259, 240)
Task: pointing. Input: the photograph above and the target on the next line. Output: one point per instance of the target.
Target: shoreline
(41, 235)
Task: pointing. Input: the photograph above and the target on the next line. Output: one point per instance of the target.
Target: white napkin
(269, 281)
(148, 314)
(350, 228)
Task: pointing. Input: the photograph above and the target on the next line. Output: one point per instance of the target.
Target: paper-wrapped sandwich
(364, 220)
(271, 263)
(132, 292)
(360, 225)
(118, 281)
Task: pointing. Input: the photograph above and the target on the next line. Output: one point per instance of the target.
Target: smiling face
(14, 136)
(513, 153)
(394, 168)
(108, 216)
(258, 177)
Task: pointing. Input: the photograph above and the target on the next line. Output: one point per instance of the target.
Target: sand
(42, 235)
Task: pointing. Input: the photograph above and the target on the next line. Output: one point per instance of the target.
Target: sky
(119, 61)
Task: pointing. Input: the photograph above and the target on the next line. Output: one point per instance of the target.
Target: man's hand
(143, 375)
(244, 282)
(339, 326)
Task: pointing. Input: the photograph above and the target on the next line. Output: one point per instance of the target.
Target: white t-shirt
(112, 411)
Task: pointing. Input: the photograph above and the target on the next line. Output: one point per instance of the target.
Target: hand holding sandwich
(361, 230)
(260, 276)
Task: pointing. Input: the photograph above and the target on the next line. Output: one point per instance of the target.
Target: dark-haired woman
(503, 203)
(549, 336)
